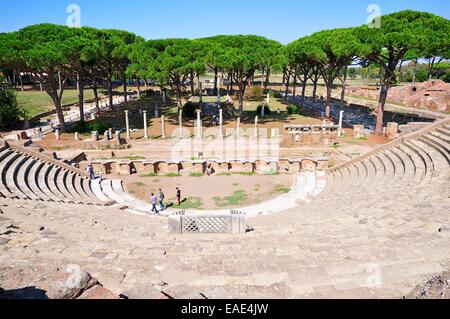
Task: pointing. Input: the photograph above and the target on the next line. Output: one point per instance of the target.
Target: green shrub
(292, 109)
(446, 78)
(10, 110)
(91, 126)
(266, 109)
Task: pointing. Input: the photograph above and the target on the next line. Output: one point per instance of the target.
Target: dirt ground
(211, 192)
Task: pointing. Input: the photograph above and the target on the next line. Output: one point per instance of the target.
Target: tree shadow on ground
(24, 293)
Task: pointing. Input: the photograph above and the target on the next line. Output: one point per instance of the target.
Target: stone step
(34, 183)
(439, 143)
(48, 179)
(21, 179)
(11, 177)
(6, 181)
(95, 185)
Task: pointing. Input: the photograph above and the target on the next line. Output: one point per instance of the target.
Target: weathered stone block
(308, 165)
(358, 131)
(392, 130)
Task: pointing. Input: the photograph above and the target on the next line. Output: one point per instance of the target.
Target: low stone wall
(124, 168)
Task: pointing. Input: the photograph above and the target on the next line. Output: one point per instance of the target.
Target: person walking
(178, 196)
(161, 197)
(154, 202)
(90, 171)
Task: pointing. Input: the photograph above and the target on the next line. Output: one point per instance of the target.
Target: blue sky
(282, 20)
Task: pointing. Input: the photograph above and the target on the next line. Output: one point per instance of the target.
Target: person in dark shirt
(178, 196)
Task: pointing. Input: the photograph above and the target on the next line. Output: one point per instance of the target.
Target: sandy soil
(254, 189)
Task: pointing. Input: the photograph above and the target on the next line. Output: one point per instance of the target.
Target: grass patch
(139, 184)
(133, 158)
(36, 102)
(173, 175)
(191, 203)
(282, 189)
(354, 154)
(239, 197)
(148, 175)
(224, 174)
(363, 138)
(196, 174)
(244, 173)
(60, 148)
(132, 192)
(272, 172)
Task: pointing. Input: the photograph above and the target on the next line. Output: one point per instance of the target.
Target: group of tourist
(159, 198)
(155, 198)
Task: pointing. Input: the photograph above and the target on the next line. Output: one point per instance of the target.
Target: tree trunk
(400, 67)
(110, 92)
(14, 79)
(125, 92)
(284, 76)
(414, 70)
(200, 88)
(179, 98)
(21, 82)
(380, 111)
(231, 83)
(431, 68)
(294, 89)
(59, 112)
(241, 99)
(286, 92)
(81, 95)
(329, 100)
(216, 76)
(192, 84)
(344, 86)
(266, 83)
(315, 91)
(59, 81)
(305, 81)
(95, 90)
(139, 88)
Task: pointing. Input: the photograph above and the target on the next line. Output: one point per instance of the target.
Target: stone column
(145, 125)
(341, 120)
(127, 124)
(117, 135)
(256, 126)
(77, 138)
(220, 123)
(94, 136)
(57, 135)
(156, 110)
(164, 97)
(110, 132)
(163, 127)
(268, 99)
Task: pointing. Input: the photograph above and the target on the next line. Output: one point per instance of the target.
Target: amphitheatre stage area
(229, 167)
